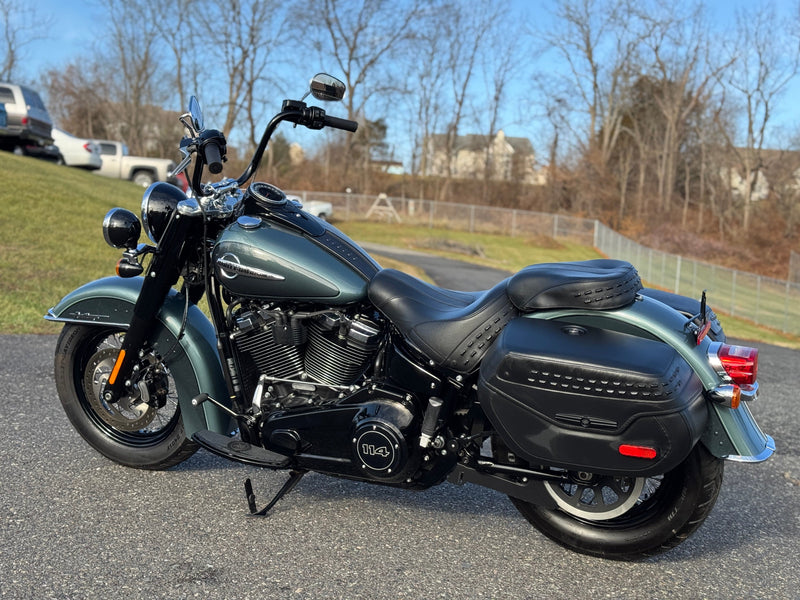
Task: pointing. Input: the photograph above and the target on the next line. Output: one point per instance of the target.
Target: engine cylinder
(260, 354)
(338, 352)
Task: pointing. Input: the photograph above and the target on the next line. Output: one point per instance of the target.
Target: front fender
(194, 362)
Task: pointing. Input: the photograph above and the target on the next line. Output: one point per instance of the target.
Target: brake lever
(181, 167)
(187, 147)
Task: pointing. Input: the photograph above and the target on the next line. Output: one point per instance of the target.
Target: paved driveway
(74, 525)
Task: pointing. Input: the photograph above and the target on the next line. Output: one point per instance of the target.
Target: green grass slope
(51, 238)
(51, 242)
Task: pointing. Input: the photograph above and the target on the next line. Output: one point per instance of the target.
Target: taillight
(739, 362)
(88, 147)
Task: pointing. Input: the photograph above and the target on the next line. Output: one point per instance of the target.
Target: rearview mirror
(196, 114)
(327, 88)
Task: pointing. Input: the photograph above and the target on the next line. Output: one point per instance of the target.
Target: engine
(294, 358)
(306, 372)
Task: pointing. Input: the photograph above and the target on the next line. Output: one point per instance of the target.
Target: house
(509, 158)
(779, 172)
(393, 167)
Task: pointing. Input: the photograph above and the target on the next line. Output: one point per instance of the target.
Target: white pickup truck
(319, 208)
(118, 163)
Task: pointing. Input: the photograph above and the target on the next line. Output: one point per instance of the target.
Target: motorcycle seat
(600, 284)
(453, 329)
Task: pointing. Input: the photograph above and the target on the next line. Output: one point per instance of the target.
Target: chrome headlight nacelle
(159, 202)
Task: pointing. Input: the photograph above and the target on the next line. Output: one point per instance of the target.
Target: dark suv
(28, 122)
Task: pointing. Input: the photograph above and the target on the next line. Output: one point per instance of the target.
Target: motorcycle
(603, 409)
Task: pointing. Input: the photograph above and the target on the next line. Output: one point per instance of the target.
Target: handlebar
(212, 147)
(299, 113)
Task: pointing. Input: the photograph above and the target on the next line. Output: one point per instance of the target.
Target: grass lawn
(51, 242)
(51, 238)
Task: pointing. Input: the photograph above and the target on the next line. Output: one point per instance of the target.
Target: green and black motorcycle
(602, 409)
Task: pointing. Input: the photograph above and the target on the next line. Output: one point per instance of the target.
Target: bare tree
(79, 95)
(499, 67)
(467, 30)
(640, 132)
(178, 27)
(765, 60)
(135, 68)
(361, 38)
(22, 27)
(682, 67)
(426, 72)
(597, 40)
(239, 54)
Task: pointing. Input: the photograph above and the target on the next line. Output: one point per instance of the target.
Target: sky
(69, 37)
(77, 22)
(74, 19)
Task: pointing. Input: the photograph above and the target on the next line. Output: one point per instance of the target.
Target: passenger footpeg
(294, 479)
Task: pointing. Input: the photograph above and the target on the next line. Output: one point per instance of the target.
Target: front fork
(162, 274)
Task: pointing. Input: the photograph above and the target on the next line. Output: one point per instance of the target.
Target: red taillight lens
(88, 147)
(739, 362)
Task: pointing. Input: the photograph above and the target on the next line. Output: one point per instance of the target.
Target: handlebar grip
(337, 123)
(212, 156)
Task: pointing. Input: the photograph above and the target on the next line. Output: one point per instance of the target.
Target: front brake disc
(129, 413)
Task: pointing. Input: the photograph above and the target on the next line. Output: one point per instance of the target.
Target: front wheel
(627, 518)
(144, 429)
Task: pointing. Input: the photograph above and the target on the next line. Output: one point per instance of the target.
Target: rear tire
(143, 178)
(132, 432)
(669, 509)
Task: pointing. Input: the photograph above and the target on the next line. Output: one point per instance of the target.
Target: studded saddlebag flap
(569, 396)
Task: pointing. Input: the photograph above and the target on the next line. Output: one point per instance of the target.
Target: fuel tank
(285, 253)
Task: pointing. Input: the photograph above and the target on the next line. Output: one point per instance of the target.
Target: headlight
(121, 228)
(159, 202)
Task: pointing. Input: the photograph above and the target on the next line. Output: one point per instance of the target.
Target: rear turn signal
(637, 451)
(739, 362)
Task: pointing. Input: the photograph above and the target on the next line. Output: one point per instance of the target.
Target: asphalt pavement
(75, 525)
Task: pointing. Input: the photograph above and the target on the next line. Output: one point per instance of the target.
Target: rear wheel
(629, 518)
(144, 428)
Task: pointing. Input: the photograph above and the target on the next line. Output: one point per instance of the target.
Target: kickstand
(294, 479)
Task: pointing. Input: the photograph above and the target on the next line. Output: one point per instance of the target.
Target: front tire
(666, 510)
(143, 430)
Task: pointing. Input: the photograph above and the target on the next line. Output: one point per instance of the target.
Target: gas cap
(248, 222)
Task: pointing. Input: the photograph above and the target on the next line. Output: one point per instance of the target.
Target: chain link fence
(763, 300)
(769, 302)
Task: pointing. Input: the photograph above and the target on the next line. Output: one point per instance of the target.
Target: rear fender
(194, 362)
(731, 433)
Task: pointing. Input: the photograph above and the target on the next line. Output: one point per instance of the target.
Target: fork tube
(162, 274)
